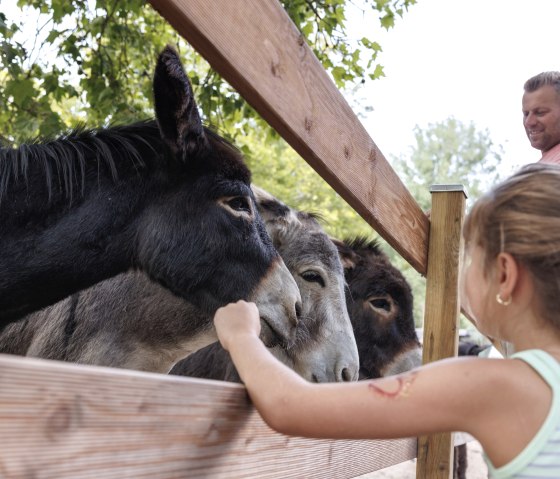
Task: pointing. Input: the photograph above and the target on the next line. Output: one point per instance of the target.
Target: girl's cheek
(466, 304)
(464, 293)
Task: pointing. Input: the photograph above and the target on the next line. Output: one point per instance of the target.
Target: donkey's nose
(346, 372)
(346, 375)
(299, 309)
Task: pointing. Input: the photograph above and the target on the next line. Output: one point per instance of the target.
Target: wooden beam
(68, 421)
(441, 316)
(255, 46)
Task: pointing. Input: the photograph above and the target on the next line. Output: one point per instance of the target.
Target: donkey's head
(202, 237)
(379, 301)
(326, 349)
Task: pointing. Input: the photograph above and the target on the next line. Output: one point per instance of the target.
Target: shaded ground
(476, 468)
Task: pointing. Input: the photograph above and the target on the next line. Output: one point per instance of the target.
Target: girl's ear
(508, 275)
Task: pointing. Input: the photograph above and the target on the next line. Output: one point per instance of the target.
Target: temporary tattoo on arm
(404, 383)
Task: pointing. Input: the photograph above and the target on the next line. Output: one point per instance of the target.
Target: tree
(277, 168)
(92, 61)
(449, 152)
(445, 152)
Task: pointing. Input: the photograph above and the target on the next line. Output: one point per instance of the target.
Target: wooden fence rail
(255, 46)
(62, 420)
(66, 421)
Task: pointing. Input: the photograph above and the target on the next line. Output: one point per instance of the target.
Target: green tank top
(541, 457)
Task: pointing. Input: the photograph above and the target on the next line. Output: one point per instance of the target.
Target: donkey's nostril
(298, 311)
(346, 375)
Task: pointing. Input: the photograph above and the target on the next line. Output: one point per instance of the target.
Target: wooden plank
(61, 420)
(441, 316)
(255, 46)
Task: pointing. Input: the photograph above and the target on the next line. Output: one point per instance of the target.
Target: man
(541, 114)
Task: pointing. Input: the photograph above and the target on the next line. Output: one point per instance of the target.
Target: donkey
(380, 302)
(149, 329)
(168, 197)
(380, 305)
(327, 352)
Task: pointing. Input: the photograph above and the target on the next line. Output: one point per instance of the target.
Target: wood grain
(60, 420)
(255, 46)
(441, 320)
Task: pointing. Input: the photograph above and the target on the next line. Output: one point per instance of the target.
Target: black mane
(63, 159)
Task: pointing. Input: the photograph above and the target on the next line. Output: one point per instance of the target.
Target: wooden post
(441, 317)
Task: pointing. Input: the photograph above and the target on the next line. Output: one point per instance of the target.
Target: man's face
(541, 117)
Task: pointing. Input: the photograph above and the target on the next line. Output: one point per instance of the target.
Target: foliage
(278, 169)
(92, 60)
(446, 152)
(449, 152)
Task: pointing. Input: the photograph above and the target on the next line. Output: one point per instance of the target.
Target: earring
(506, 302)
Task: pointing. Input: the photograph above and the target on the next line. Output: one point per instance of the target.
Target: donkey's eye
(239, 203)
(381, 303)
(313, 277)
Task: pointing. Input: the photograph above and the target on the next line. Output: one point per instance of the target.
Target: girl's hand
(235, 320)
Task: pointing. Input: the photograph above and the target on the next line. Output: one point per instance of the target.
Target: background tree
(449, 151)
(277, 168)
(445, 152)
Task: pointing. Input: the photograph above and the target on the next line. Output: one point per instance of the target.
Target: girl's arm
(460, 394)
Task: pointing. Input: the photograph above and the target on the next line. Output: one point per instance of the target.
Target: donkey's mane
(289, 216)
(64, 158)
(312, 216)
(362, 242)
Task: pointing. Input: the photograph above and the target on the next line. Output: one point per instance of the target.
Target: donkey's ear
(348, 257)
(176, 111)
(270, 207)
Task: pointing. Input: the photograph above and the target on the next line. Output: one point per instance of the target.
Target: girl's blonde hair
(521, 216)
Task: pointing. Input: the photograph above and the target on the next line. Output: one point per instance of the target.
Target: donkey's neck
(44, 265)
(54, 244)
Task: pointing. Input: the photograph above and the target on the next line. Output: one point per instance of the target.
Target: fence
(62, 420)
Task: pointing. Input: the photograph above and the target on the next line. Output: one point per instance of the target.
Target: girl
(511, 286)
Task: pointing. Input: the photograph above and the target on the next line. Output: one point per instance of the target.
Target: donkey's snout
(279, 301)
(299, 310)
(346, 373)
(294, 316)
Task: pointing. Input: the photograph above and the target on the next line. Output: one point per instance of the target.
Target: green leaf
(338, 74)
(52, 36)
(21, 89)
(388, 21)
(378, 72)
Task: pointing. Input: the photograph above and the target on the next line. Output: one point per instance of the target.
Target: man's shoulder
(552, 155)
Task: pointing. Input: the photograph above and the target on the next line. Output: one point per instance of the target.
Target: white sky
(462, 58)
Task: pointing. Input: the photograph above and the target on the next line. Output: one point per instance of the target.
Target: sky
(463, 58)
